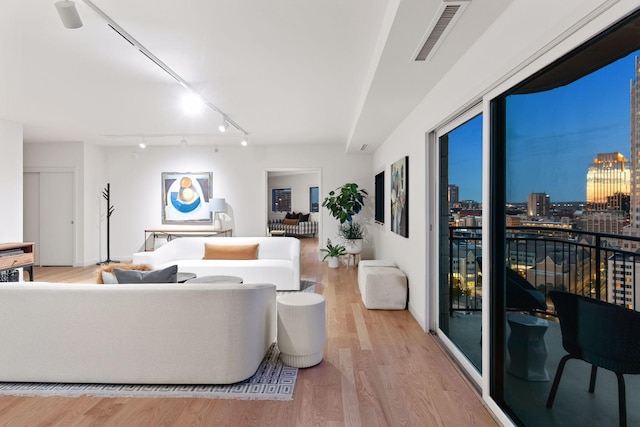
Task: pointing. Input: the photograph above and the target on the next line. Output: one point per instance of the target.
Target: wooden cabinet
(17, 255)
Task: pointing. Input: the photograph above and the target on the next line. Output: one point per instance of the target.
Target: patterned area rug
(306, 285)
(272, 381)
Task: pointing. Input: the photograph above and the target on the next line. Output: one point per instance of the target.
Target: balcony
(596, 265)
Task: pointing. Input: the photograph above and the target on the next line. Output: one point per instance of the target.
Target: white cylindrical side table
(302, 331)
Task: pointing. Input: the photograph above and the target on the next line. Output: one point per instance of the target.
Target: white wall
(239, 175)
(95, 206)
(11, 185)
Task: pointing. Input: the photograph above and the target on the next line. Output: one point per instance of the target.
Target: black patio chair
(602, 334)
(521, 295)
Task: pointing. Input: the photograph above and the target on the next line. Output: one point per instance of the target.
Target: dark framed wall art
(400, 197)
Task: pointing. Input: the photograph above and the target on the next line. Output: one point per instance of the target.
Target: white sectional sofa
(278, 259)
(134, 333)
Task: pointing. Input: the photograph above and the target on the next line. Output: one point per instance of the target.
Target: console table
(170, 234)
(17, 255)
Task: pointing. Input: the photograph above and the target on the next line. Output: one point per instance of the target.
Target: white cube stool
(371, 263)
(301, 329)
(383, 288)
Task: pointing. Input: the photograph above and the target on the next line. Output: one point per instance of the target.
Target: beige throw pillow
(213, 251)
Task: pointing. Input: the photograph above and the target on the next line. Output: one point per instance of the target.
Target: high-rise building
(608, 182)
(603, 222)
(635, 152)
(634, 188)
(453, 195)
(538, 204)
(621, 273)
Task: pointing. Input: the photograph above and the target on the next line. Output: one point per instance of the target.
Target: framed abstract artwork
(185, 197)
(400, 197)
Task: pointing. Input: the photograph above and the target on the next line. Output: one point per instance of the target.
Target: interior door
(57, 221)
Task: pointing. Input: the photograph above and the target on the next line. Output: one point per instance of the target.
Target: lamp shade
(218, 205)
(69, 14)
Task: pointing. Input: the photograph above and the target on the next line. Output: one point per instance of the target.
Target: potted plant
(333, 252)
(343, 203)
(352, 232)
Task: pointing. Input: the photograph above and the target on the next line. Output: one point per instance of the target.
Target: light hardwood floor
(379, 369)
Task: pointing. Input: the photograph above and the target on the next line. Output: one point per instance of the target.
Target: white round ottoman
(301, 329)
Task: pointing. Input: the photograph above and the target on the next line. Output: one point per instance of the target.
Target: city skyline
(553, 137)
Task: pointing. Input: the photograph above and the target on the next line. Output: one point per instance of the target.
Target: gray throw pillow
(166, 275)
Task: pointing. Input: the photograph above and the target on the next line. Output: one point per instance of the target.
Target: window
(379, 198)
(281, 200)
(460, 285)
(314, 199)
(565, 132)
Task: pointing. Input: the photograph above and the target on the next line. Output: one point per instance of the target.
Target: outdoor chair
(521, 295)
(602, 334)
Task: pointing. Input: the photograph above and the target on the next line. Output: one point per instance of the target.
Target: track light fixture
(245, 140)
(224, 125)
(192, 103)
(69, 14)
(71, 19)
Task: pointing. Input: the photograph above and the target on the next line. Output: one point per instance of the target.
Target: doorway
(296, 191)
(49, 216)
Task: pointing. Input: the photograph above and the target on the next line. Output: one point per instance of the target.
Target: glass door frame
(434, 223)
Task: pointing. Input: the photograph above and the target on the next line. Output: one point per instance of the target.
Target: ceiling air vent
(447, 14)
(364, 147)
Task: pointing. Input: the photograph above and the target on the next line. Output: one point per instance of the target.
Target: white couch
(137, 334)
(278, 259)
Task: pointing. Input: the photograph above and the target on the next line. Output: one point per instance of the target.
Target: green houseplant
(333, 252)
(343, 203)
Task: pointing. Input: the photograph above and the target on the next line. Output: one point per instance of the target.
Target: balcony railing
(600, 265)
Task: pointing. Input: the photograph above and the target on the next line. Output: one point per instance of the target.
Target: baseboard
(421, 321)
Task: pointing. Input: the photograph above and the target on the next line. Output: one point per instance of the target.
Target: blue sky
(552, 137)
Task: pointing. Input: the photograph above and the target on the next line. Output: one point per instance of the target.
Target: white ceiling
(287, 71)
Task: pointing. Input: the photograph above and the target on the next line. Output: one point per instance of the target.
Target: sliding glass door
(460, 275)
(565, 153)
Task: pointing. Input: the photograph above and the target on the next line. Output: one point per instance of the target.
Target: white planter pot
(353, 246)
(334, 262)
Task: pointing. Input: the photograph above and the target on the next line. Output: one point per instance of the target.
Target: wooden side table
(356, 259)
(17, 255)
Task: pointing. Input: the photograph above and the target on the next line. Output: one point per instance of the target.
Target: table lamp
(215, 206)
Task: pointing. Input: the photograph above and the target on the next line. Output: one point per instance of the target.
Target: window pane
(460, 316)
(281, 200)
(314, 199)
(572, 160)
